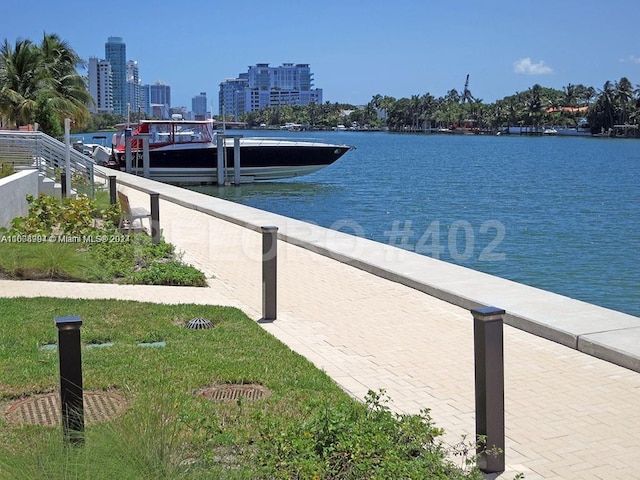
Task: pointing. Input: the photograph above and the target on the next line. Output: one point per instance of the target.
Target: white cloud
(525, 66)
(631, 59)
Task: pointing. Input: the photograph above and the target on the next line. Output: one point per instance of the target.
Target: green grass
(307, 428)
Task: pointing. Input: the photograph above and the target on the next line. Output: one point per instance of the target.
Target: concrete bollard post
(269, 272)
(236, 161)
(155, 218)
(127, 150)
(220, 147)
(112, 189)
(489, 384)
(71, 401)
(145, 156)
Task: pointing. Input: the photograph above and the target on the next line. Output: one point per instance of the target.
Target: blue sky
(356, 48)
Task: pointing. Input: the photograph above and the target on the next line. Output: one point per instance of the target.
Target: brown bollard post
(112, 189)
(155, 218)
(489, 383)
(71, 400)
(269, 272)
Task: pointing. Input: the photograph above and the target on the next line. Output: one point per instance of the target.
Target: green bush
(354, 441)
(170, 273)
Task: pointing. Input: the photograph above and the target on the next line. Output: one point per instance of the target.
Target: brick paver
(568, 415)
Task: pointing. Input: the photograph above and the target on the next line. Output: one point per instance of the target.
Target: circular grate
(232, 392)
(199, 324)
(45, 409)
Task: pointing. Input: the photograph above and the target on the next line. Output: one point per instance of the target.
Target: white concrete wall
(13, 195)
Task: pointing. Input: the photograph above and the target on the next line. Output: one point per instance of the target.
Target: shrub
(170, 273)
(353, 441)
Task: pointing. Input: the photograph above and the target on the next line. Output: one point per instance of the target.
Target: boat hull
(260, 160)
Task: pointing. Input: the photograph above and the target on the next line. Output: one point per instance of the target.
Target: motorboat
(186, 152)
(582, 128)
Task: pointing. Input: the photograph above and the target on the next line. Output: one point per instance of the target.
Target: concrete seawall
(606, 334)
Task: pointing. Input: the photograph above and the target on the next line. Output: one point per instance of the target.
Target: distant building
(100, 86)
(159, 95)
(263, 86)
(199, 106)
(231, 97)
(115, 52)
(133, 87)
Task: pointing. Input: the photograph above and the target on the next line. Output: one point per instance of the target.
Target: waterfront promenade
(569, 415)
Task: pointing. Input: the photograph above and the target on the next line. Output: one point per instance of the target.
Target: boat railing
(24, 150)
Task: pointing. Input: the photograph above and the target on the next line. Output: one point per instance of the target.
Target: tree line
(616, 103)
(40, 83)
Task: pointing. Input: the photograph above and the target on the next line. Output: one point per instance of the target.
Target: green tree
(40, 82)
(20, 81)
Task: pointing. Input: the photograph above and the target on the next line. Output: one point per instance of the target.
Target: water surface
(557, 213)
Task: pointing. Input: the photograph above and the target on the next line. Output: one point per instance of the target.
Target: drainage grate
(45, 409)
(232, 392)
(199, 324)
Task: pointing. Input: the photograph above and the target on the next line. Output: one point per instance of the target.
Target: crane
(466, 94)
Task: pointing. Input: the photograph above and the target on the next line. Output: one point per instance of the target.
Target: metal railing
(39, 150)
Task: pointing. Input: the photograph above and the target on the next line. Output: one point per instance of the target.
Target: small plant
(6, 169)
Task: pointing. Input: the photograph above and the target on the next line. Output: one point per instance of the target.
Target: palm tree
(41, 84)
(623, 96)
(602, 114)
(20, 81)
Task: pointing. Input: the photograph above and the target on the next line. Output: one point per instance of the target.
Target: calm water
(557, 213)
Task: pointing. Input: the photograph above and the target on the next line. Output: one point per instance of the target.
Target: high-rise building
(160, 100)
(100, 86)
(231, 97)
(133, 87)
(263, 86)
(115, 52)
(199, 106)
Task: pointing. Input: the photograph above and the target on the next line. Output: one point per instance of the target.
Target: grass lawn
(307, 428)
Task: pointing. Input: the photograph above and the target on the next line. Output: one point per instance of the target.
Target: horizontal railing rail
(39, 150)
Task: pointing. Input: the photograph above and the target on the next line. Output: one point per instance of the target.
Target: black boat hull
(258, 161)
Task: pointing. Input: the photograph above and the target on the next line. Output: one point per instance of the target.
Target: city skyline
(358, 51)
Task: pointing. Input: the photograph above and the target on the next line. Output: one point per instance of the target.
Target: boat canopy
(166, 132)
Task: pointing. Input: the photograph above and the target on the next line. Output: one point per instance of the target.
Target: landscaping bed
(79, 240)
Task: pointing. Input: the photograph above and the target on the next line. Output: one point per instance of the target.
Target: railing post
(67, 153)
(155, 218)
(489, 383)
(112, 189)
(269, 272)
(71, 401)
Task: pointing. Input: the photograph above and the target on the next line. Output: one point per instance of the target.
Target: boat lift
(221, 167)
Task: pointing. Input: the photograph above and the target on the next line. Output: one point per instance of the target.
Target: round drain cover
(232, 392)
(45, 409)
(199, 324)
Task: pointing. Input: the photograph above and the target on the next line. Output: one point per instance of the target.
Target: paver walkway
(568, 415)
